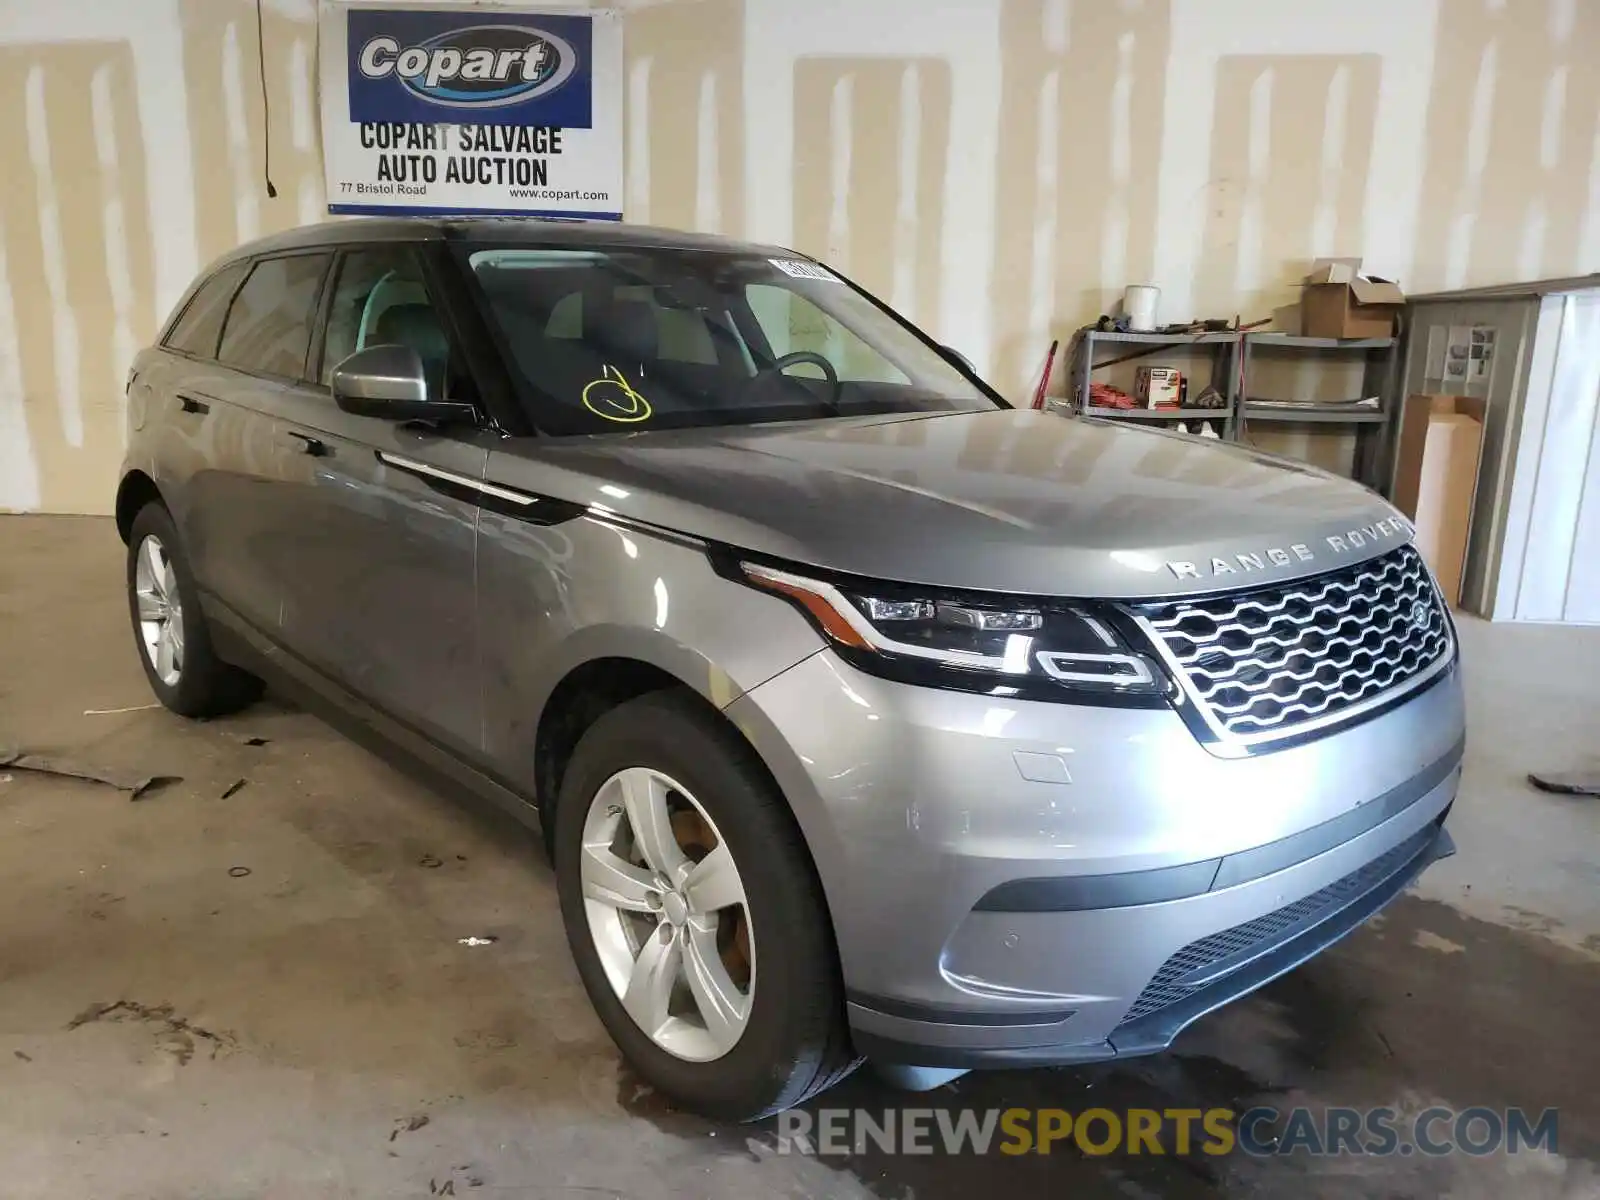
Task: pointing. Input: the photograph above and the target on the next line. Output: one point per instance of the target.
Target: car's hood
(1010, 501)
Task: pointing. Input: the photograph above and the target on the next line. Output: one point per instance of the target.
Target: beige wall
(997, 168)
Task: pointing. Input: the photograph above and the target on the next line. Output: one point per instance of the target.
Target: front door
(382, 517)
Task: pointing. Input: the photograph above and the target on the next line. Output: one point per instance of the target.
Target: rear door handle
(315, 447)
(190, 404)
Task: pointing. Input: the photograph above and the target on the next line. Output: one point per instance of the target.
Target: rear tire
(793, 1040)
(169, 630)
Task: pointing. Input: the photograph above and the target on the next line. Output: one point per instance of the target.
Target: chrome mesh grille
(1264, 663)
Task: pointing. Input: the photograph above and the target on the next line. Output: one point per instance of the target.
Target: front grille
(1265, 663)
(1256, 937)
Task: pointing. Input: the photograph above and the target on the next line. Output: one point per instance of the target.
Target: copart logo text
(478, 66)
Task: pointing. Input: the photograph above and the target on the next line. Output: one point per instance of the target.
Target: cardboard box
(1437, 462)
(1158, 387)
(1334, 270)
(1288, 318)
(1340, 302)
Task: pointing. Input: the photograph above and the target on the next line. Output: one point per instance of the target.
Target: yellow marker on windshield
(616, 400)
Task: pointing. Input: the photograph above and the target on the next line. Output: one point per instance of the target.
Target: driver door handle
(313, 446)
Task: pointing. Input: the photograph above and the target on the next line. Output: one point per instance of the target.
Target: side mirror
(390, 383)
(955, 355)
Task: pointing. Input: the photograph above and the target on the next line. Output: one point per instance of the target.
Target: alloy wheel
(160, 610)
(668, 914)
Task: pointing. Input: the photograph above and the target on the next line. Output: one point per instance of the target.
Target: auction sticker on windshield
(472, 110)
(800, 269)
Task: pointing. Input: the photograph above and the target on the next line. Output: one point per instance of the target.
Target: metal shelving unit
(1314, 414)
(1166, 339)
(1157, 414)
(1299, 342)
(1224, 348)
(1373, 427)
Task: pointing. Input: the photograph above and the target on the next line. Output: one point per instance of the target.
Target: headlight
(931, 636)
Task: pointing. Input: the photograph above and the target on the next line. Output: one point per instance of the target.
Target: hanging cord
(266, 112)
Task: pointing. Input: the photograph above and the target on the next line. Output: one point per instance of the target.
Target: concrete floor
(264, 995)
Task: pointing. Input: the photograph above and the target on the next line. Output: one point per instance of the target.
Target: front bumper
(1017, 883)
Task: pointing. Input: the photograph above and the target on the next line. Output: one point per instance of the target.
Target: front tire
(169, 629)
(694, 915)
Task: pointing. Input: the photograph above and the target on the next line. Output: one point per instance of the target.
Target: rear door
(172, 402)
(261, 354)
(377, 520)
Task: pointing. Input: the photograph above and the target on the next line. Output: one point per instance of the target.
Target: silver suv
(862, 714)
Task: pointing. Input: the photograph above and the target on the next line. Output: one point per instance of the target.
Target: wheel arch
(614, 662)
(583, 695)
(135, 491)
(622, 666)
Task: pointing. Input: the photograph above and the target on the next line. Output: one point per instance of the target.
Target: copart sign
(472, 110)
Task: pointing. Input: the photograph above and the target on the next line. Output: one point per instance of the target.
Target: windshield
(632, 339)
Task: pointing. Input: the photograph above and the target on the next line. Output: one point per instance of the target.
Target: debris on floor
(430, 861)
(254, 740)
(238, 872)
(136, 786)
(161, 1016)
(475, 940)
(1565, 783)
(234, 788)
(409, 1124)
(108, 712)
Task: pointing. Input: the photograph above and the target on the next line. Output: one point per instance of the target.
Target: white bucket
(1139, 303)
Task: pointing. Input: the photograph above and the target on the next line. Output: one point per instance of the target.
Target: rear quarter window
(200, 324)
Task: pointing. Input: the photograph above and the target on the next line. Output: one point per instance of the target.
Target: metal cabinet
(1532, 352)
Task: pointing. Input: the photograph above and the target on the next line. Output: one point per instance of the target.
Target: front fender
(552, 598)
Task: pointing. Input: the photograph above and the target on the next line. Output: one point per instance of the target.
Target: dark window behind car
(269, 326)
(196, 331)
(645, 338)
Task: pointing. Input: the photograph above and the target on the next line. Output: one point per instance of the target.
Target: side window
(269, 325)
(380, 299)
(792, 323)
(200, 325)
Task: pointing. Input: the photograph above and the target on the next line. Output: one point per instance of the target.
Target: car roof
(509, 231)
